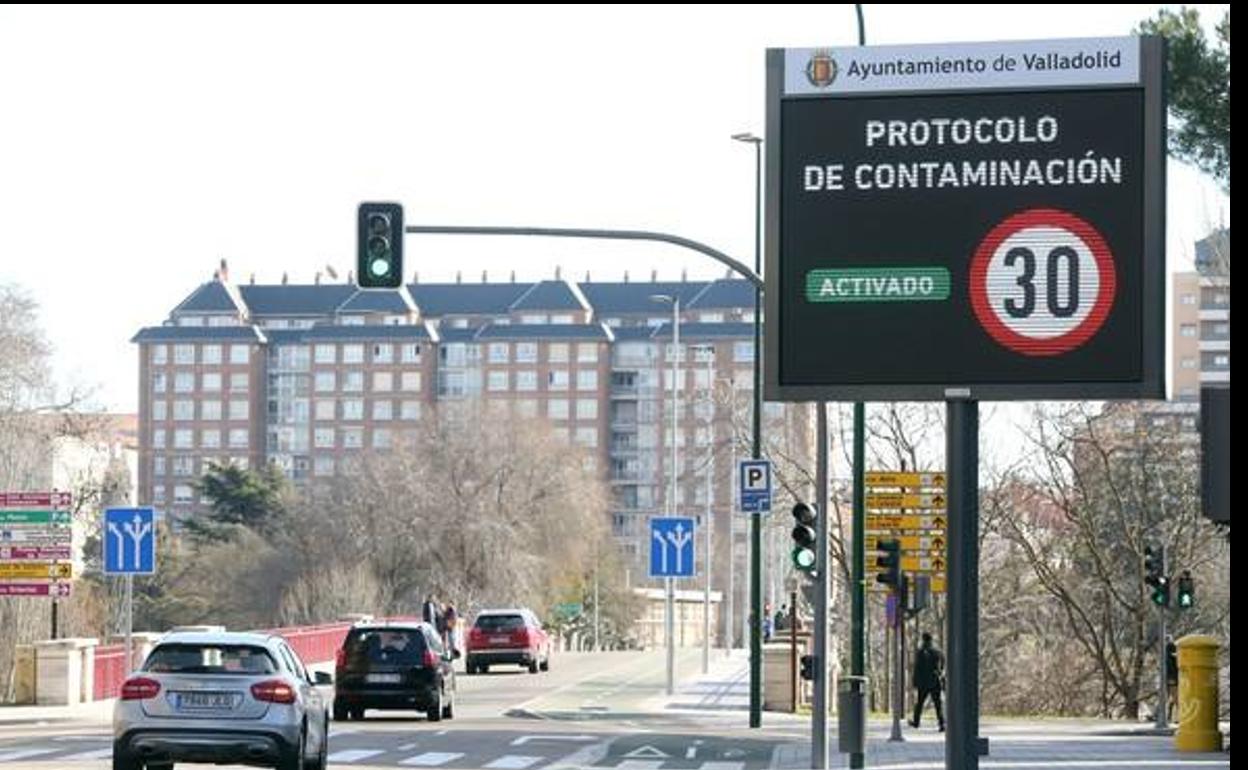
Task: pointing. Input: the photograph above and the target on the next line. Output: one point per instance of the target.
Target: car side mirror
(322, 677)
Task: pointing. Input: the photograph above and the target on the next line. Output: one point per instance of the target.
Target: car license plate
(383, 678)
(500, 639)
(205, 701)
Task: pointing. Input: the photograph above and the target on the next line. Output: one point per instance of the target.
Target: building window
(238, 409)
(353, 354)
(326, 354)
(322, 465)
(557, 352)
(587, 352)
(184, 354)
(183, 465)
(526, 407)
(158, 493)
(211, 354)
(238, 437)
(353, 438)
(182, 493)
(1188, 299)
(353, 381)
(499, 352)
(183, 438)
(587, 437)
(587, 409)
(743, 352)
(210, 439)
(183, 382)
(557, 379)
(323, 438)
(382, 410)
(158, 465)
(211, 382)
(1187, 330)
(526, 352)
(711, 318)
(159, 409)
(238, 382)
(410, 410)
(210, 410)
(561, 319)
(383, 354)
(325, 409)
(158, 438)
(411, 353)
(532, 319)
(1222, 360)
(526, 379)
(240, 354)
(587, 379)
(160, 383)
(160, 354)
(497, 380)
(410, 381)
(383, 382)
(1188, 362)
(326, 382)
(557, 409)
(353, 409)
(381, 438)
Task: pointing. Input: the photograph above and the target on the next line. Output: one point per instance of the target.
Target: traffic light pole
(1161, 719)
(819, 724)
(962, 742)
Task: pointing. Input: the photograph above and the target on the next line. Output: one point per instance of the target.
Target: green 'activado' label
(882, 284)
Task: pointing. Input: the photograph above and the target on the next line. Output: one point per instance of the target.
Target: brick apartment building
(306, 375)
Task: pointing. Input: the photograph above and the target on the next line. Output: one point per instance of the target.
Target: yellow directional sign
(36, 570)
(911, 543)
(922, 563)
(933, 480)
(894, 500)
(892, 521)
(937, 583)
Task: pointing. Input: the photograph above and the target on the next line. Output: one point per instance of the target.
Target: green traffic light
(804, 559)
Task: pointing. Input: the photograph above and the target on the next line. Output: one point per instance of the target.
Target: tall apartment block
(305, 376)
(1202, 320)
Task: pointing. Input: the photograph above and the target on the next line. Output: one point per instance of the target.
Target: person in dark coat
(431, 612)
(929, 680)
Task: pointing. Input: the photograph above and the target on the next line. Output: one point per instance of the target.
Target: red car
(507, 636)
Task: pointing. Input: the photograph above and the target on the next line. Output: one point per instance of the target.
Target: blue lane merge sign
(754, 477)
(671, 547)
(129, 541)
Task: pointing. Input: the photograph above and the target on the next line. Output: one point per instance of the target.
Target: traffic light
(1187, 591)
(808, 668)
(889, 562)
(379, 246)
(1155, 574)
(804, 538)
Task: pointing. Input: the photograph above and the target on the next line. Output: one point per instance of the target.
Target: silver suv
(221, 698)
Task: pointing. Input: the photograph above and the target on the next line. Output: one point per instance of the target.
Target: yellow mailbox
(1198, 695)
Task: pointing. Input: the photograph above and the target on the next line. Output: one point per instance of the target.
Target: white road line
(407, 747)
(640, 764)
(431, 758)
(97, 754)
(13, 756)
(354, 755)
(513, 762)
(722, 766)
(523, 739)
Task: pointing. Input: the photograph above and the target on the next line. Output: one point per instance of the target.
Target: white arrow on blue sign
(671, 547)
(129, 541)
(754, 478)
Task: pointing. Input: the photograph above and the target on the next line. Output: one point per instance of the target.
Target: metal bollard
(851, 726)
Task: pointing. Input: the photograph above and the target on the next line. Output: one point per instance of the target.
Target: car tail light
(431, 659)
(340, 658)
(273, 691)
(140, 688)
(522, 637)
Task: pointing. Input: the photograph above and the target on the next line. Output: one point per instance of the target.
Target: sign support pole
(819, 724)
(54, 619)
(129, 623)
(858, 591)
(962, 742)
(1161, 719)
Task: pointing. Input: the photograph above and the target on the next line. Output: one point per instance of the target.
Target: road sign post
(129, 549)
(36, 546)
(754, 485)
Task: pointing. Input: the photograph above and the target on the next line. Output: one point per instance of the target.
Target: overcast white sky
(138, 146)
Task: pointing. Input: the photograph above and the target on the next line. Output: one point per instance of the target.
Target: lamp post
(708, 353)
(756, 537)
(668, 620)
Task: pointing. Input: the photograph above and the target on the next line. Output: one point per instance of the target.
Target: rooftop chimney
(654, 276)
(586, 276)
(252, 279)
(558, 272)
(350, 276)
(416, 276)
(285, 279)
(513, 276)
(684, 274)
(625, 276)
(485, 277)
(224, 271)
(459, 276)
(317, 279)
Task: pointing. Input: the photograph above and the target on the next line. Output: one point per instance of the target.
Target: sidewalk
(720, 695)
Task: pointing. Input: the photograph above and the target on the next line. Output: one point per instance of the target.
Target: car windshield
(499, 622)
(245, 660)
(385, 645)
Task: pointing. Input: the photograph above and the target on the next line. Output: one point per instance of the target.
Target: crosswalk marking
(640, 764)
(513, 762)
(431, 758)
(97, 754)
(13, 756)
(354, 755)
(722, 766)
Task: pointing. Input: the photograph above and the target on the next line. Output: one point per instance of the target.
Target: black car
(394, 666)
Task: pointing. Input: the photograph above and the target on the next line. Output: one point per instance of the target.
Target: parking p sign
(754, 480)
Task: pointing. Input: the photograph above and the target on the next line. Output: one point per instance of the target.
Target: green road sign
(878, 284)
(569, 609)
(35, 517)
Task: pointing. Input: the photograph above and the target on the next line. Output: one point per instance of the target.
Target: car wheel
(294, 759)
(546, 662)
(322, 757)
(357, 714)
(341, 712)
(483, 668)
(533, 666)
(435, 713)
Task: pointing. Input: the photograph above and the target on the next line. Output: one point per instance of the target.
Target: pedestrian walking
(451, 620)
(431, 612)
(929, 680)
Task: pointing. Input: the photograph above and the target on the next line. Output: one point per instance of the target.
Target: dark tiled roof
(725, 293)
(210, 297)
(548, 295)
(448, 334)
(376, 301)
(338, 333)
(613, 298)
(199, 333)
(632, 333)
(701, 331)
(290, 300)
(544, 331)
(442, 299)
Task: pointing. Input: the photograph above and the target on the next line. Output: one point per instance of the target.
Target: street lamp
(708, 356)
(668, 620)
(756, 536)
